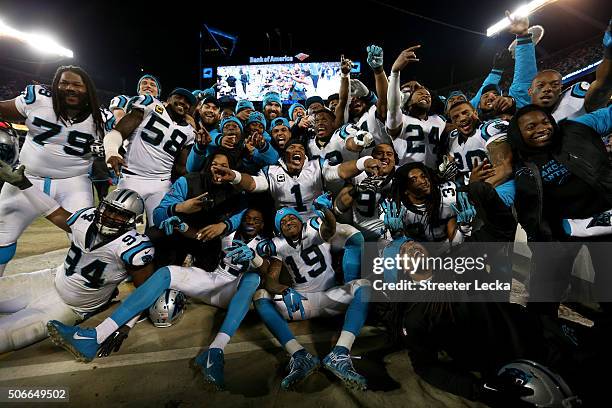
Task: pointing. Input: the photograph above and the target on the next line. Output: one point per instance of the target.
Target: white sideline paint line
(63, 367)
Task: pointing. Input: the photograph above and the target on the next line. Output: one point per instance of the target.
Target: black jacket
(579, 148)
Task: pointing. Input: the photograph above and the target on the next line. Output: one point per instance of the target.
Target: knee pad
(23, 336)
(358, 284)
(343, 233)
(261, 294)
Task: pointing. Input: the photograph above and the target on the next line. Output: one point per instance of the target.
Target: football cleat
(81, 343)
(211, 364)
(301, 365)
(340, 364)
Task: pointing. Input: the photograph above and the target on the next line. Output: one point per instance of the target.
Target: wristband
(361, 162)
(238, 177)
(257, 261)
(112, 142)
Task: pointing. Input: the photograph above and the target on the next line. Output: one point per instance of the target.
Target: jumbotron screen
(294, 81)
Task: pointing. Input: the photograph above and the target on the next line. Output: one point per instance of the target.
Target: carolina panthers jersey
(295, 191)
(157, 141)
(53, 147)
(335, 150)
(417, 223)
(470, 152)
(91, 273)
(367, 215)
(119, 102)
(370, 123)
(226, 266)
(571, 102)
(308, 261)
(419, 140)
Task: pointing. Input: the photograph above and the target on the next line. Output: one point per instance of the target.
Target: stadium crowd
(277, 207)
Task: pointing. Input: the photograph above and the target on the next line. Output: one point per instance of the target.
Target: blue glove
(239, 252)
(375, 56)
(321, 202)
(169, 224)
(394, 216)
(293, 302)
(464, 209)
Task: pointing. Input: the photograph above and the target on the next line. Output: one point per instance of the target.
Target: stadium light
(523, 11)
(42, 43)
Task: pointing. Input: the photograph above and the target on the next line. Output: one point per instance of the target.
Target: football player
(416, 135)
(63, 123)
(231, 286)
(544, 88)
(467, 142)
(280, 131)
(147, 85)
(159, 138)
(9, 145)
(428, 214)
(365, 193)
(303, 247)
(105, 248)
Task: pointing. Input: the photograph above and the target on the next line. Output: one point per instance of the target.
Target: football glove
(375, 56)
(394, 216)
(322, 202)
(370, 184)
(15, 177)
(448, 169)
(464, 209)
(169, 224)
(239, 252)
(97, 149)
(363, 138)
(293, 302)
(114, 341)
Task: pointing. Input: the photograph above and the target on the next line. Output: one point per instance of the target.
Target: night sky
(113, 42)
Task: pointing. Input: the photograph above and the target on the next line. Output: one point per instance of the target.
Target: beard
(81, 105)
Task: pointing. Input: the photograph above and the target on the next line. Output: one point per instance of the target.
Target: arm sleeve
(394, 100)
(330, 173)
(196, 158)
(266, 155)
(525, 69)
(176, 195)
(599, 120)
(493, 78)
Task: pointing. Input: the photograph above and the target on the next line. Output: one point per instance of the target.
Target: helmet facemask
(111, 219)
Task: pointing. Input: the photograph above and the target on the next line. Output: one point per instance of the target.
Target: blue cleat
(340, 364)
(82, 343)
(211, 364)
(301, 365)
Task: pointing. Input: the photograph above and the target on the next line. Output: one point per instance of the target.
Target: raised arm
(600, 91)
(345, 68)
(394, 120)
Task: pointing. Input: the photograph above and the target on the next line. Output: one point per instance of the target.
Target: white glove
(363, 138)
(358, 89)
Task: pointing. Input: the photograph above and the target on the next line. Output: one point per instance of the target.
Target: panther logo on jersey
(159, 109)
(280, 178)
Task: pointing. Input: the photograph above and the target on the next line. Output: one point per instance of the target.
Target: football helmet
(541, 386)
(9, 144)
(168, 308)
(118, 212)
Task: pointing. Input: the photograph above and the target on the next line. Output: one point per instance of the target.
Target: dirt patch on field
(41, 237)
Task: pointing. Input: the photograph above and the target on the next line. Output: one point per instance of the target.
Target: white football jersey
(232, 270)
(370, 122)
(297, 191)
(419, 140)
(119, 102)
(468, 153)
(335, 150)
(417, 224)
(90, 275)
(367, 213)
(157, 141)
(53, 147)
(309, 261)
(571, 102)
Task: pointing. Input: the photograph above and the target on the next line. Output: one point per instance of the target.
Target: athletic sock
(239, 305)
(220, 341)
(105, 329)
(346, 339)
(275, 323)
(351, 261)
(356, 314)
